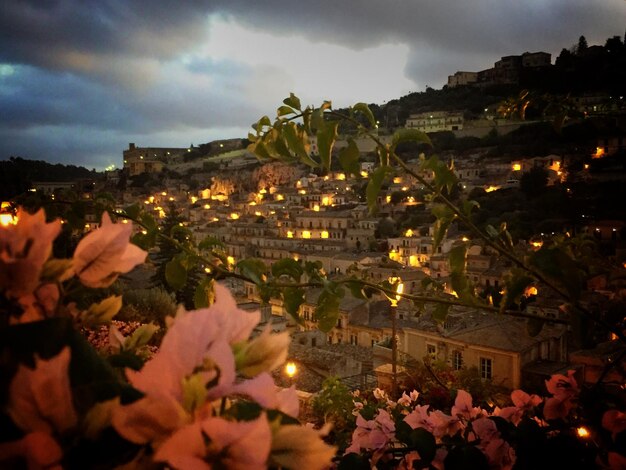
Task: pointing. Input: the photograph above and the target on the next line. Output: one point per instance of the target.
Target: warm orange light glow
(599, 153)
(234, 216)
(414, 261)
(388, 199)
(306, 234)
(230, 260)
(530, 290)
(151, 199)
(289, 234)
(316, 208)
(517, 167)
(536, 243)
(193, 199)
(583, 432)
(489, 189)
(326, 201)
(258, 213)
(207, 206)
(279, 197)
(408, 233)
(341, 176)
(252, 203)
(291, 369)
(324, 234)
(364, 174)
(397, 180)
(302, 191)
(163, 193)
(7, 219)
(586, 166)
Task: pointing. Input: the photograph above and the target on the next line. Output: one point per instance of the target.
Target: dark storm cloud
(85, 77)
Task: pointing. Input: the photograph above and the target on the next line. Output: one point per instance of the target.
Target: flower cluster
(204, 399)
(404, 433)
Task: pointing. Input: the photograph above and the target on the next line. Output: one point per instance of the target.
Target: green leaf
(457, 257)
(366, 111)
(140, 337)
(210, 242)
(298, 144)
(57, 270)
(349, 158)
(326, 136)
(327, 310)
(374, 185)
(468, 206)
(175, 274)
(293, 101)
(284, 111)
(444, 216)
(148, 222)
(102, 312)
(409, 135)
(293, 297)
(133, 211)
(254, 269)
(491, 231)
(287, 267)
(203, 295)
(194, 392)
(98, 418)
(356, 289)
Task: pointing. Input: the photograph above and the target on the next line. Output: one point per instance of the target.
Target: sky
(81, 79)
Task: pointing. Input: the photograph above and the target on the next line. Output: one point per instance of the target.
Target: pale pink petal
(184, 449)
(24, 248)
(40, 399)
(555, 408)
(418, 418)
(105, 253)
(288, 401)
(240, 445)
(234, 323)
(149, 419)
(38, 449)
(614, 421)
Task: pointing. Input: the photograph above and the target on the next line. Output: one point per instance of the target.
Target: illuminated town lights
(599, 153)
(279, 197)
(306, 234)
(316, 207)
(408, 233)
(163, 193)
(230, 260)
(489, 189)
(171, 198)
(405, 188)
(234, 216)
(326, 201)
(397, 180)
(364, 174)
(464, 239)
(517, 167)
(258, 213)
(6, 216)
(530, 290)
(289, 234)
(324, 234)
(388, 199)
(193, 199)
(207, 206)
(302, 191)
(583, 432)
(341, 176)
(151, 199)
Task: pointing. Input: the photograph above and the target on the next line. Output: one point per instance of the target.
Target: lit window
(485, 368)
(457, 360)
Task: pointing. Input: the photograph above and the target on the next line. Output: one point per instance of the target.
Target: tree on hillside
(582, 45)
(534, 182)
(172, 227)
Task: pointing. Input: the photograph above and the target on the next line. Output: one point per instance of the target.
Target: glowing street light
(291, 369)
(399, 288)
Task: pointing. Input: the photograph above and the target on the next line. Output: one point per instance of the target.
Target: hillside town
(272, 211)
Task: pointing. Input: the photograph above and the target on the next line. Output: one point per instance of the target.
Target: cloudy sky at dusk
(80, 79)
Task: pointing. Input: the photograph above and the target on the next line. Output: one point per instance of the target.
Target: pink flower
(444, 425)
(419, 418)
(106, 253)
(373, 434)
(40, 399)
(522, 402)
(614, 421)
(38, 449)
(404, 400)
(216, 442)
(564, 390)
(463, 406)
(24, 248)
(499, 453)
